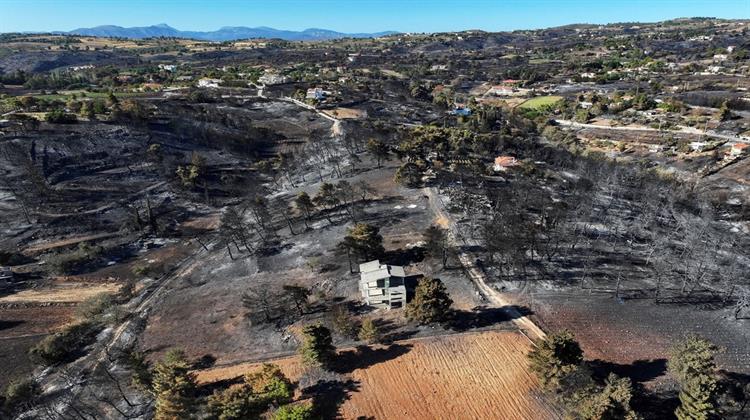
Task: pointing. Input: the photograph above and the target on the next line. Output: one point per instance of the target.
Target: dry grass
(474, 375)
(46, 246)
(346, 113)
(61, 292)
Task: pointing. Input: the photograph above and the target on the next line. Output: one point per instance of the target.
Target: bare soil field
(20, 329)
(473, 375)
(639, 333)
(31, 319)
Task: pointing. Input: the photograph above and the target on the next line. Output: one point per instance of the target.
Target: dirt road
(685, 130)
(525, 324)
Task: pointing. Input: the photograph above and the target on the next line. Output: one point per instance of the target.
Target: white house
(208, 83)
(316, 93)
(501, 90)
(273, 79)
(698, 146)
(382, 285)
(168, 67)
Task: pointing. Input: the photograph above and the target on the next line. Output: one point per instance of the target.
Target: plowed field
(466, 376)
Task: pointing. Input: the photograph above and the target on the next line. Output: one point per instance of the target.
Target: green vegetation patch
(540, 102)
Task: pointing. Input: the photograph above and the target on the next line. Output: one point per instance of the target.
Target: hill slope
(227, 33)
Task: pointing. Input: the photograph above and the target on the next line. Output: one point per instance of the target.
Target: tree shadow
(404, 256)
(656, 405)
(481, 317)
(209, 388)
(4, 325)
(652, 404)
(735, 387)
(365, 356)
(328, 396)
(391, 332)
(638, 371)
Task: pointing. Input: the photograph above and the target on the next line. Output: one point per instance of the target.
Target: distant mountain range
(227, 33)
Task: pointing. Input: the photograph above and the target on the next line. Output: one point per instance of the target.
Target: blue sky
(352, 15)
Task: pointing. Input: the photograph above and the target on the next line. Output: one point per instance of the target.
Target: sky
(353, 15)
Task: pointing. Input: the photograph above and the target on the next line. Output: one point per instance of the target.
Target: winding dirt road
(524, 323)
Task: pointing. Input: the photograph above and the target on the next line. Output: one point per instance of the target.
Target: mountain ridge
(226, 33)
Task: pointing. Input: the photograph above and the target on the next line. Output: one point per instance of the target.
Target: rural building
(208, 83)
(316, 93)
(502, 163)
(168, 67)
(382, 285)
(461, 109)
(698, 146)
(501, 90)
(273, 79)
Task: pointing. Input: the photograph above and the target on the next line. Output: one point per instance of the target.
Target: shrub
(409, 175)
(19, 393)
(65, 345)
(59, 116)
(70, 262)
(294, 412)
(342, 322)
(369, 332)
(269, 385)
(253, 396)
(94, 306)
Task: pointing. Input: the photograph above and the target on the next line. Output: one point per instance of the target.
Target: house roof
(373, 270)
(740, 146)
(369, 266)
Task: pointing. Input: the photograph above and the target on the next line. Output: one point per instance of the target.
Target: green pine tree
(317, 346)
(692, 364)
(174, 387)
(369, 332)
(431, 302)
(555, 357)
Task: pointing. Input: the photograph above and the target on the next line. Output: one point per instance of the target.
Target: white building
(208, 83)
(501, 90)
(273, 79)
(316, 93)
(168, 67)
(382, 285)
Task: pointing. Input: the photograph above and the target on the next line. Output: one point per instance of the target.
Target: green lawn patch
(540, 102)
